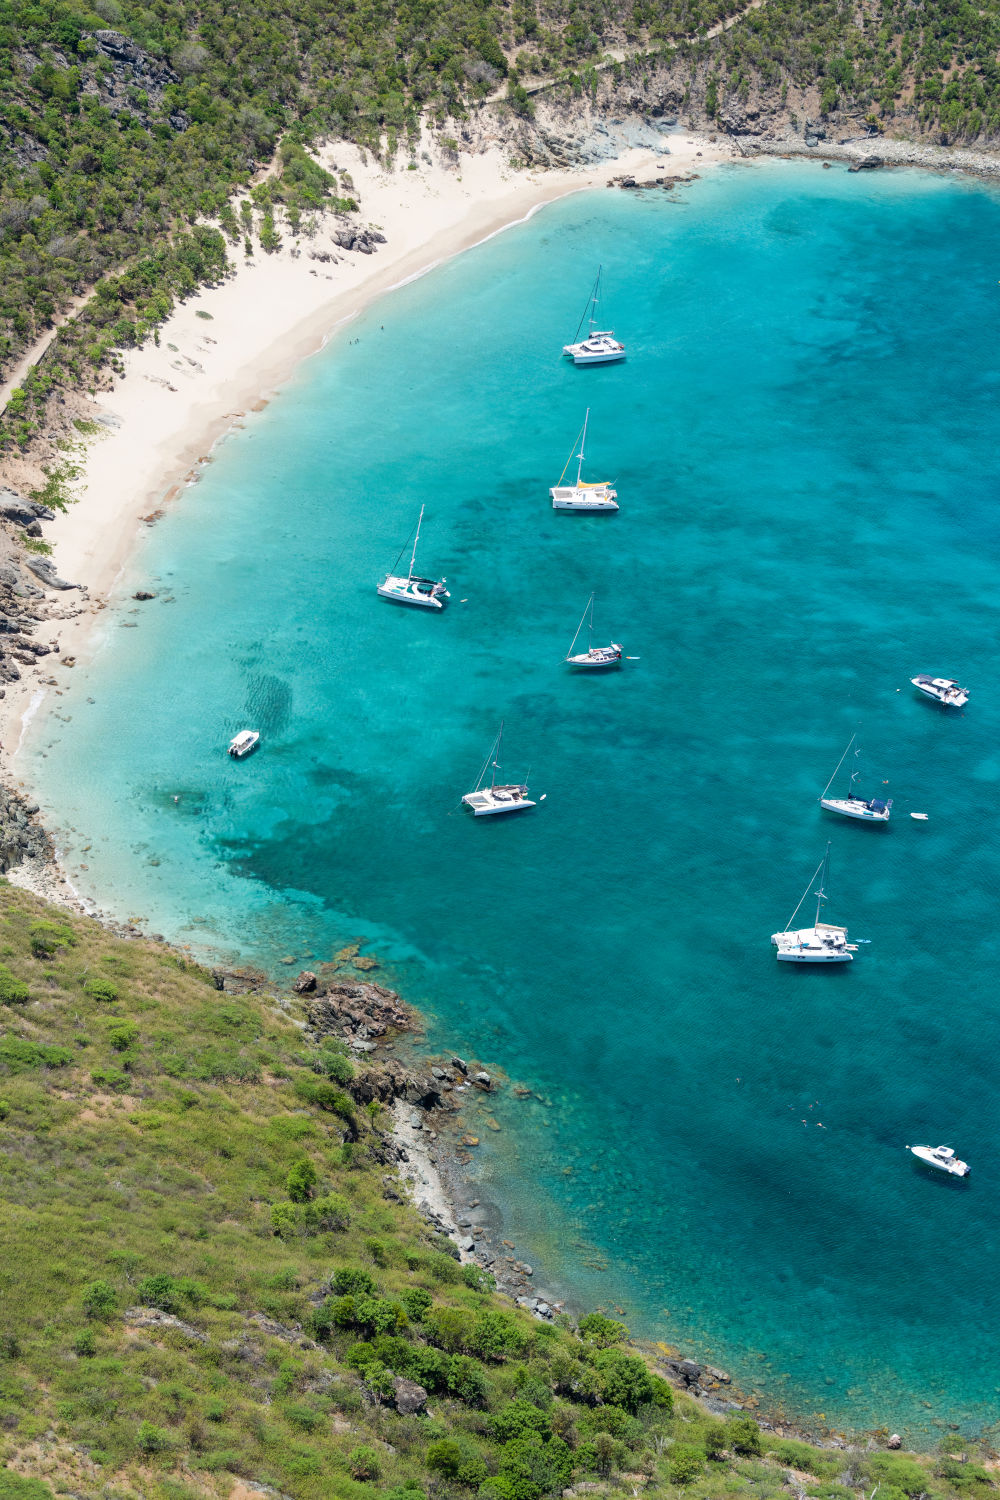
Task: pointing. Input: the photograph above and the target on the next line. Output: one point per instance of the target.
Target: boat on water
(426, 593)
(942, 1157)
(595, 658)
(600, 347)
(942, 689)
(583, 495)
(241, 744)
(821, 943)
(498, 797)
(873, 810)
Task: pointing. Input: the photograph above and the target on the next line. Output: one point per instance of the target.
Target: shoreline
(226, 352)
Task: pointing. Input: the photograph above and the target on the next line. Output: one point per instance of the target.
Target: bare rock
(154, 1317)
(410, 1398)
(45, 570)
(305, 983)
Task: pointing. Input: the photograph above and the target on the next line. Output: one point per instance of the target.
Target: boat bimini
(428, 593)
(600, 347)
(852, 806)
(583, 495)
(821, 943)
(486, 801)
(595, 658)
(942, 689)
(241, 744)
(942, 1157)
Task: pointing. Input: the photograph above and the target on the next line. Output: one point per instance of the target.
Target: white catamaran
(595, 495)
(496, 798)
(821, 943)
(595, 657)
(600, 347)
(428, 593)
(852, 806)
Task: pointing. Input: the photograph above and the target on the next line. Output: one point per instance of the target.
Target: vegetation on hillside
(210, 1274)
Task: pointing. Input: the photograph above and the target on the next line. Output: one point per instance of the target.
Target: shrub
(331, 1212)
(445, 1457)
(109, 1078)
(624, 1379)
(160, 1291)
(364, 1463)
(12, 990)
(16, 1487)
(334, 1063)
(122, 1035)
(449, 1327)
(904, 1473)
(101, 989)
(152, 1439)
(685, 1463)
(99, 1299)
(20, 1055)
(743, 1435)
(714, 1440)
(301, 1180)
(85, 1344)
(497, 1335)
(48, 937)
(533, 1467)
(348, 1279)
(326, 1095)
(601, 1331)
(515, 1419)
(417, 1301)
(467, 1381)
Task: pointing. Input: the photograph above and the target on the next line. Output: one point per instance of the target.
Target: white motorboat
(507, 797)
(595, 658)
(942, 689)
(427, 593)
(241, 744)
(875, 810)
(600, 347)
(942, 1157)
(821, 943)
(583, 495)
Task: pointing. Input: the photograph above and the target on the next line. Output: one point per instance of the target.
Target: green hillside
(210, 1279)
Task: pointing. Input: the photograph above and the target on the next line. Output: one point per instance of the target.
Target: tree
(624, 1379)
(686, 1462)
(444, 1457)
(301, 1180)
(743, 1435)
(603, 1332)
(99, 1299)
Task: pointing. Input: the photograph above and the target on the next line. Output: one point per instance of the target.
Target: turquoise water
(803, 439)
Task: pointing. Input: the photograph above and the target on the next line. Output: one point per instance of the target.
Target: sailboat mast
(593, 300)
(496, 755)
(839, 764)
(590, 625)
(588, 609)
(413, 557)
(821, 893)
(583, 443)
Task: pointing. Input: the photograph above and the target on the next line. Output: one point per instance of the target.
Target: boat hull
(609, 358)
(485, 806)
(856, 810)
(814, 958)
(585, 664)
(403, 595)
(953, 1167)
(948, 697)
(823, 944)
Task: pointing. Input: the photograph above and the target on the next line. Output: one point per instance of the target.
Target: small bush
(351, 1279)
(12, 990)
(364, 1463)
(101, 989)
(686, 1463)
(99, 1299)
(444, 1457)
(85, 1344)
(601, 1331)
(109, 1078)
(743, 1436)
(152, 1439)
(48, 937)
(417, 1302)
(301, 1181)
(122, 1035)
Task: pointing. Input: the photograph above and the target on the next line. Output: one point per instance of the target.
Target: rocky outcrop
(362, 240)
(356, 1011)
(21, 835)
(409, 1397)
(27, 513)
(154, 1318)
(133, 71)
(46, 571)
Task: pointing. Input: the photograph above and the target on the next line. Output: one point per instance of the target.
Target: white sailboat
(497, 797)
(600, 347)
(583, 495)
(852, 806)
(427, 593)
(821, 943)
(595, 657)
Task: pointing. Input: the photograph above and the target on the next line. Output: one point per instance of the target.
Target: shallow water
(803, 442)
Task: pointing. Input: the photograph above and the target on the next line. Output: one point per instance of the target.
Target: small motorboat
(241, 744)
(919, 817)
(942, 1157)
(942, 689)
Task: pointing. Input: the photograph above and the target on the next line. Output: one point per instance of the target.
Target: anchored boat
(583, 495)
(595, 658)
(852, 806)
(942, 1157)
(241, 744)
(427, 593)
(821, 943)
(600, 347)
(505, 797)
(942, 689)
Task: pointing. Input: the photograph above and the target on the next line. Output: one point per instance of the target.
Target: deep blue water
(804, 442)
